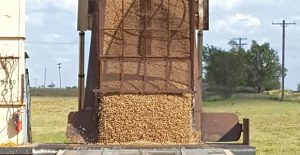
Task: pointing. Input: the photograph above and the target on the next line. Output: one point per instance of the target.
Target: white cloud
(295, 17)
(246, 20)
(36, 19)
(67, 5)
(62, 60)
(238, 23)
(54, 35)
(225, 4)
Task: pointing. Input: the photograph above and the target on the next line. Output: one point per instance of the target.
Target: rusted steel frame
(121, 61)
(198, 83)
(148, 24)
(190, 75)
(12, 105)
(143, 37)
(195, 69)
(145, 62)
(141, 31)
(122, 74)
(192, 41)
(155, 38)
(167, 62)
(246, 131)
(122, 29)
(200, 67)
(9, 57)
(118, 27)
(135, 29)
(168, 29)
(170, 91)
(149, 57)
(220, 127)
(204, 18)
(100, 37)
(167, 73)
(12, 38)
(197, 19)
(148, 39)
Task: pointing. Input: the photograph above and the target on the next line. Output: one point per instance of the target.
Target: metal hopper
(146, 47)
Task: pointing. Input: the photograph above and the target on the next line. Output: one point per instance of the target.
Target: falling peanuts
(146, 119)
(141, 28)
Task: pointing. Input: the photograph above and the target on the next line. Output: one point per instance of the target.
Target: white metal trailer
(14, 103)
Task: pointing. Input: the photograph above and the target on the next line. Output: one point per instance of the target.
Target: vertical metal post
(81, 76)
(200, 47)
(283, 60)
(196, 44)
(197, 81)
(246, 131)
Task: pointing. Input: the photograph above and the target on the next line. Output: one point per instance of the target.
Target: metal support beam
(197, 81)
(246, 131)
(81, 76)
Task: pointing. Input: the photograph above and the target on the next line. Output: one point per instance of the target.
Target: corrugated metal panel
(12, 68)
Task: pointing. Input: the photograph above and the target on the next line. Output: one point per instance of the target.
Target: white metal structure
(12, 72)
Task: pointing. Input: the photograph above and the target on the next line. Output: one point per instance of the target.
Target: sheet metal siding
(12, 67)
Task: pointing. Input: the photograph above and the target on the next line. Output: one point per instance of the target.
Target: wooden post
(246, 131)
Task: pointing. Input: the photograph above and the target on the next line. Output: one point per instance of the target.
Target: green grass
(275, 126)
(49, 118)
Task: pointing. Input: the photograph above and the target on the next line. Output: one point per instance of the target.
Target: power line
(283, 24)
(240, 42)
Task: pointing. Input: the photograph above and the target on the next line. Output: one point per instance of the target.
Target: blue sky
(55, 21)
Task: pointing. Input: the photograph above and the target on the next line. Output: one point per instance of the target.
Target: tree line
(238, 70)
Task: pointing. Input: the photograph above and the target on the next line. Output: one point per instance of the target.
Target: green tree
(263, 67)
(224, 71)
(298, 87)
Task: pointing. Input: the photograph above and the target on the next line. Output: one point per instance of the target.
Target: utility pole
(283, 24)
(45, 77)
(59, 67)
(240, 42)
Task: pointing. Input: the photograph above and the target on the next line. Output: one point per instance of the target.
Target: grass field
(49, 118)
(275, 126)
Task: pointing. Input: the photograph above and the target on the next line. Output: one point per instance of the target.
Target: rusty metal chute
(146, 47)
